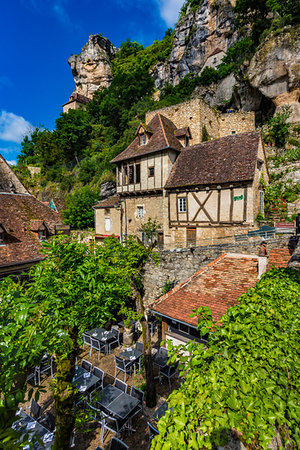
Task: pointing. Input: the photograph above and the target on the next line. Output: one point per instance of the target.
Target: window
(42, 235)
(140, 212)
(233, 132)
(186, 141)
(151, 172)
(1, 238)
(261, 201)
(130, 175)
(137, 173)
(182, 204)
(125, 177)
(107, 224)
(142, 139)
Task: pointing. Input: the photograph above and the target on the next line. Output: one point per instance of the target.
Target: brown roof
(278, 257)
(78, 98)
(225, 160)
(218, 286)
(21, 214)
(108, 203)
(182, 132)
(163, 137)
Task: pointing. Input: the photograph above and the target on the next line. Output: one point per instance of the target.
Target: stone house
(24, 223)
(76, 101)
(194, 190)
(217, 286)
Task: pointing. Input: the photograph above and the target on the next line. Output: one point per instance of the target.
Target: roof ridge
(163, 130)
(188, 280)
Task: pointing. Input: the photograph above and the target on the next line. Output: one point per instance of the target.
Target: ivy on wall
(248, 377)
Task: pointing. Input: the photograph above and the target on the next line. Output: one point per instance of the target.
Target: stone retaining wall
(177, 265)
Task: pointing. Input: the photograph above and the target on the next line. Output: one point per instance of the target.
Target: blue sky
(38, 36)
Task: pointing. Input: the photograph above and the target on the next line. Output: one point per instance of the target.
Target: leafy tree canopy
(248, 377)
(79, 213)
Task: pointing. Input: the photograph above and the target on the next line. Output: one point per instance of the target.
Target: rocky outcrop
(91, 69)
(197, 35)
(275, 70)
(107, 189)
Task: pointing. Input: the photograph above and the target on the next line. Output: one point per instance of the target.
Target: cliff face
(91, 69)
(197, 35)
(275, 70)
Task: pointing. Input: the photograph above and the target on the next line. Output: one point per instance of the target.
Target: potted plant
(128, 316)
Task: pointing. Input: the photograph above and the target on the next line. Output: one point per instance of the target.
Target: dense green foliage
(77, 287)
(248, 377)
(79, 213)
(277, 128)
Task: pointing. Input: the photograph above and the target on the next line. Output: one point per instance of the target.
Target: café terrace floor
(89, 436)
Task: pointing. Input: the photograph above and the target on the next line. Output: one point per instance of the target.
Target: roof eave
(145, 153)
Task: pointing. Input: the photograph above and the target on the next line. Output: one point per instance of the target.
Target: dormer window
(142, 139)
(42, 235)
(186, 141)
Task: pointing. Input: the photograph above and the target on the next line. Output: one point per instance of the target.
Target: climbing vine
(247, 380)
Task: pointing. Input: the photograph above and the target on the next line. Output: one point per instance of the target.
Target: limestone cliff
(196, 36)
(275, 70)
(91, 69)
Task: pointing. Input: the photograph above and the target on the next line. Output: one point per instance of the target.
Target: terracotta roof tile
(19, 213)
(278, 257)
(218, 286)
(163, 137)
(224, 160)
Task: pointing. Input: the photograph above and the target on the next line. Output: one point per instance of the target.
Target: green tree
(72, 134)
(246, 379)
(278, 128)
(79, 213)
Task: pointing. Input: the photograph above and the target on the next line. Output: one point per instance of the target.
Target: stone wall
(234, 123)
(196, 113)
(9, 182)
(177, 265)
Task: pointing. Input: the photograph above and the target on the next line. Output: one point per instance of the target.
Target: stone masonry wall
(177, 265)
(239, 122)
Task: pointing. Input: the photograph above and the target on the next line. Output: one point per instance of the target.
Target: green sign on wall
(238, 197)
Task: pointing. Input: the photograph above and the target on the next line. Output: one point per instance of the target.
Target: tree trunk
(64, 395)
(151, 388)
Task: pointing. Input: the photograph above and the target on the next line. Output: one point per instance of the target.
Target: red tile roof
(225, 160)
(19, 213)
(108, 203)
(218, 286)
(163, 137)
(278, 257)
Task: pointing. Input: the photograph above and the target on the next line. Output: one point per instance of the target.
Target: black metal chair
(113, 425)
(116, 444)
(35, 410)
(86, 340)
(45, 366)
(98, 346)
(139, 346)
(49, 421)
(115, 340)
(86, 365)
(120, 385)
(152, 433)
(136, 393)
(168, 372)
(122, 366)
(99, 374)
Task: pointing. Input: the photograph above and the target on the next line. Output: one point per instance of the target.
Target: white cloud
(169, 10)
(13, 128)
(12, 163)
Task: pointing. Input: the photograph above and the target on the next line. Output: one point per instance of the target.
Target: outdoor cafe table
(84, 381)
(116, 402)
(102, 335)
(27, 425)
(132, 355)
